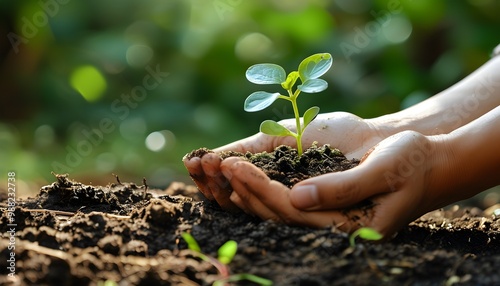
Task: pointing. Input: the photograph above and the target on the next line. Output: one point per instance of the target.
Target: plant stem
(293, 99)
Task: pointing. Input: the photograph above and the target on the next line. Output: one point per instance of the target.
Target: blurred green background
(96, 87)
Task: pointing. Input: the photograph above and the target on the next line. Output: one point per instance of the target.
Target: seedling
(225, 255)
(309, 71)
(107, 283)
(366, 233)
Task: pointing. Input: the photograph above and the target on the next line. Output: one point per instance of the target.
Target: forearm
(472, 161)
(454, 107)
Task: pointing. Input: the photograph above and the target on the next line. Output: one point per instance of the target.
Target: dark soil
(284, 165)
(74, 234)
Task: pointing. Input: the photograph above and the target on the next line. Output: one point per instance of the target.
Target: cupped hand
(349, 133)
(395, 176)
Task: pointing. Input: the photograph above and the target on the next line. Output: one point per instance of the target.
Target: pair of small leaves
(309, 70)
(271, 127)
(311, 67)
(225, 253)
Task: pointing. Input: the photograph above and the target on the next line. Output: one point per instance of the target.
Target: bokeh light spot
(196, 43)
(106, 162)
(398, 30)
(44, 135)
(139, 55)
(133, 129)
(89, 82)
(254, 46)
(155, 141)
(208, 117)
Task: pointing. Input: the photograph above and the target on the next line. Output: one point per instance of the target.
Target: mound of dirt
(75, 234)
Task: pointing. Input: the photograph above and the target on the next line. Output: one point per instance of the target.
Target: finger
(245, 176)
(245, 200)
(269, 199)
(216, 182)
(210, 164)
(396, 209)
(341, 189)
(196, 172)
(240, 199)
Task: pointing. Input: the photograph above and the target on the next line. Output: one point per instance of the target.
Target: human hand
(400, 176)
(349, 133)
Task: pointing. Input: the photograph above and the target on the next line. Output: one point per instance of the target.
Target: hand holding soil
(353, 135)
(425, 165)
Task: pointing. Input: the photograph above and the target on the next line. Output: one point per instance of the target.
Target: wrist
(426, 121)
(465, 161)
(445, 172)
(390, 124)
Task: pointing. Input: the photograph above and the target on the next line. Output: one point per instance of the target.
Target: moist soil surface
(77, 234)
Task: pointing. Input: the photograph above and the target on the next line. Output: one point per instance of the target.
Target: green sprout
(310, 69)
(225, 254)
(366, 233)
(107, 283)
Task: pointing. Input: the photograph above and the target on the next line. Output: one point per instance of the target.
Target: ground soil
(75, 234)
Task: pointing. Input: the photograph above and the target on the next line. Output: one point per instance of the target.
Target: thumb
(339, 190)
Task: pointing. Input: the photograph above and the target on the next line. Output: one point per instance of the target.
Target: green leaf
(227, 251)
(310, 114)
(366, 233)
(266, 74)
(290, 80)
(315, 66)
(369, 234)
(313, 85)
(259, 100)
(191, 242)
(273, 128)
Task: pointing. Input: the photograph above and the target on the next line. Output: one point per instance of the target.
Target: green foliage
(191, 242)
(107, 283)
(225, 254)
(204, 49)
(366, 233)
(227, 251)
(309, 71)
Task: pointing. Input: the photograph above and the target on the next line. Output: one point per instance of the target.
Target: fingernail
(226, 173)
(304, 197)
(234, 197)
